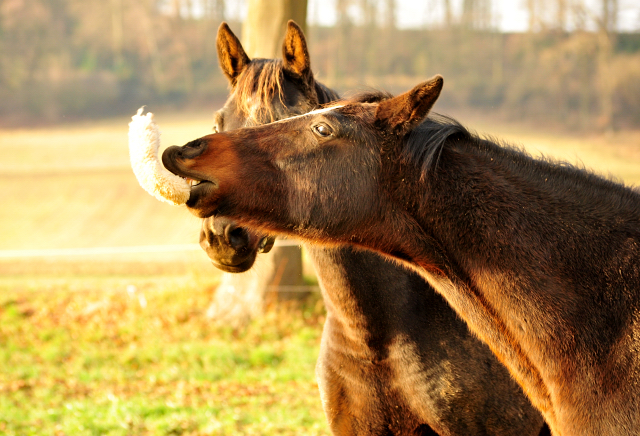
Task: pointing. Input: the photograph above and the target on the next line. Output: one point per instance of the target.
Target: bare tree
(610, 15)
(561, 14)
(214, 9)
(266, 22)
(607, 25)
(343, 30)
(241, 297)
(117, 32)
(534, 19)
(476, 14)
(448, 15)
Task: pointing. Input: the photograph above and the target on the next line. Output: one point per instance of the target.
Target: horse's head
(316, 175)
(266, 90)
(262, 91)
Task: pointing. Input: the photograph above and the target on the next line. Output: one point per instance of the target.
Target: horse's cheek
(346, 198)
(360, 189)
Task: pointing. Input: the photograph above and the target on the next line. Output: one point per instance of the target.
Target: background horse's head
(262, 91)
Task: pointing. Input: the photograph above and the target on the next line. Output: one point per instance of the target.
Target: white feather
(144, 141)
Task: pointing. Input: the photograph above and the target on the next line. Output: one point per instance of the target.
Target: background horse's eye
(322, 130)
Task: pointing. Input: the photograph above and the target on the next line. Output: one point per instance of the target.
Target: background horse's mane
(424, 143)
(261, 82)
(325, 94)
(261, 79)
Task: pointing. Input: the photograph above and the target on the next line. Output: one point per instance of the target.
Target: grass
(122, 345)
(150, 362)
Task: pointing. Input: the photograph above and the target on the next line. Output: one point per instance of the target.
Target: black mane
(326, 94)
(424, 144)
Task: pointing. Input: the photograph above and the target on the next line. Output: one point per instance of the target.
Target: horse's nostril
(266, 244)
(194, 144)
(236, 237)
(210, 238)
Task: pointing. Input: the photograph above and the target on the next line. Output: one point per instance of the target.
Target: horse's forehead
(254, 103)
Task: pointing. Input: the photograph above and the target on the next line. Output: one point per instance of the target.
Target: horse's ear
(294, 52)
(232, 57)
(407, 110)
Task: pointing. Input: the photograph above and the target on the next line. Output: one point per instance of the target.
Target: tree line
(64, 59)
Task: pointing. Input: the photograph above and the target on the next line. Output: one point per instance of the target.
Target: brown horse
(541, 259)
(394, 359)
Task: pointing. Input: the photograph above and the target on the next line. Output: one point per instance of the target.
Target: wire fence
(98, 251)
(18, 255)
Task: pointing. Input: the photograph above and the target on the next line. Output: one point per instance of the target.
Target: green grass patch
(112, 362)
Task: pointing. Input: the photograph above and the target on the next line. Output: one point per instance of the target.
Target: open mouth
(202, 190)
(169, 162)
(199, 188)
(193, 182)
(198, 185)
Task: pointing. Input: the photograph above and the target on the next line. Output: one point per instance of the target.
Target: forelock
(257, 86)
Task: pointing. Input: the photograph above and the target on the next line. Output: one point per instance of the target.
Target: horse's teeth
(191, 182)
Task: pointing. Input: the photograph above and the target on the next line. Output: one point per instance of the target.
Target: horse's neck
(504, 212)
(526, 251)
(527, 236)
(338, 279)
(368, 298)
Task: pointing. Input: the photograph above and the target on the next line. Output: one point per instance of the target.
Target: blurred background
(110, 318)
(571, 62)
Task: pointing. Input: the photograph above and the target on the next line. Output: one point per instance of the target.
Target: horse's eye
(322, 130)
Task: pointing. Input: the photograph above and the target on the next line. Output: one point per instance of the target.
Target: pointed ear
(232, 57)
(294, 52)
(407, 110)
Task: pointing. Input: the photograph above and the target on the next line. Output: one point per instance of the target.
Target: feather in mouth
(144, 141)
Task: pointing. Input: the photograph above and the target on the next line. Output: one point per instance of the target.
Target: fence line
(303, 289)
(97, 251)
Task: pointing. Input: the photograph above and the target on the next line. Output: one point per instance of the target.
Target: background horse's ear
(232, 57)
(407, 110)
(294, 52)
